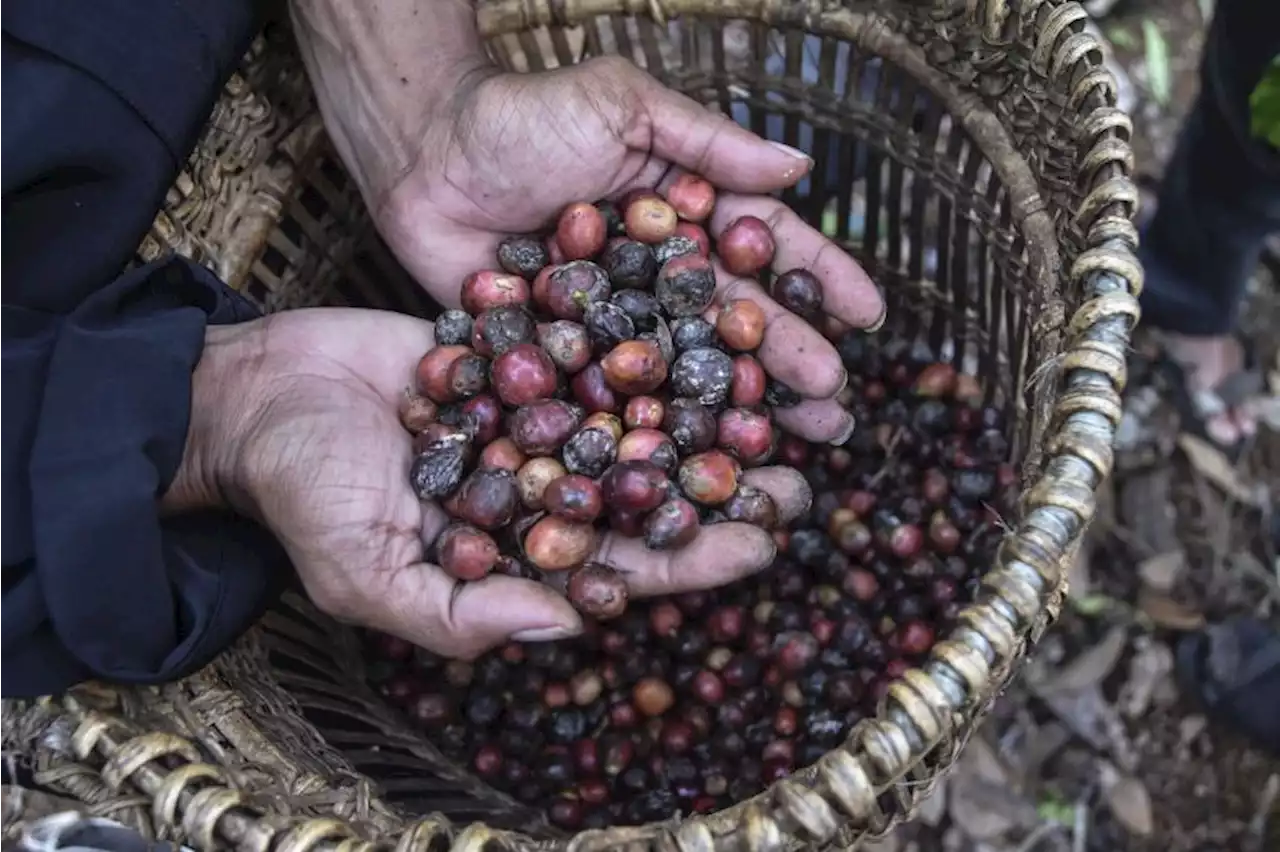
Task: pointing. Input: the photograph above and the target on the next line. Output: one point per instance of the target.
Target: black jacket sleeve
(103, 100)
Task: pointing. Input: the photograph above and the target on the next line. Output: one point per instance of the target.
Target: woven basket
(997, 218)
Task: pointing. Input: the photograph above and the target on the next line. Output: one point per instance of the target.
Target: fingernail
(875, 326)
(544, 634)
(844, 382)
(846, 433)
(792, 152)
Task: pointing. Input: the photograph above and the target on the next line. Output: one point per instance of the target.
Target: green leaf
(1093, 605)
(1053, 809)
(1264, 106)
(1157, 56)
(1121, 38)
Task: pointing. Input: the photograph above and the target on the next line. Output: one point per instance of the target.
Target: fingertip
(740, 549)
(512, 605)
(794, 352)
(463, 620)
(792, 495)
(821, 421)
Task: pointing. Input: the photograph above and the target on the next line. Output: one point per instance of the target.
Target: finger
(791, 493)
(848, 293)
(463, 620)
(683, 131)
(434, 521)
(822, 421)
(793, 351)
(720, 554)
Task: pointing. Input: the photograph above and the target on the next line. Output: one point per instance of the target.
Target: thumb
(684, 132)
(463, 620)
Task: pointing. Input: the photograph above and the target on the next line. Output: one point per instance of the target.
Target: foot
(1211, 366)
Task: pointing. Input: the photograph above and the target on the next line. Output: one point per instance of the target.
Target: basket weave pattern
(997, 218)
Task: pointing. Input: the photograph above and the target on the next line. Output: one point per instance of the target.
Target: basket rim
(837, 799)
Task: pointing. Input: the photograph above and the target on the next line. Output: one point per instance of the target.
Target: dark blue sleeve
(104, 100)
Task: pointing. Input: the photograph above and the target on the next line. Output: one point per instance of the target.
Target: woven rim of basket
(837, 798)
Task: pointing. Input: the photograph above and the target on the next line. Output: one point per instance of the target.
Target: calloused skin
(305, 406)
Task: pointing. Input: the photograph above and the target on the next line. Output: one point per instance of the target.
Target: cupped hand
(319, 456)
(514, 149)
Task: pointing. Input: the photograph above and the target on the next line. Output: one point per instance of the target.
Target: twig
(890, 447)
(1080, 829)
(1033, 839)
(1258, 825)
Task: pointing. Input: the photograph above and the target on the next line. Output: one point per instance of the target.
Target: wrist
(210, 474)
(385, 75)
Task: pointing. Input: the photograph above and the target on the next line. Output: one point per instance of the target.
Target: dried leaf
(1166, 612)
(1162, 572)
(1157, 58)
(934, 808)
(889, 843)
(1149, 672)
(980, 796)
(1089, 668)
(1214, 466)
(1091, 717)
(1128, 800)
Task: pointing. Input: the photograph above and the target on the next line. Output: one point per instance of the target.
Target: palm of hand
(521, 149)
(330, 455)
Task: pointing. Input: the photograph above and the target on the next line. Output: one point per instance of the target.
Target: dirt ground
(1095, 748)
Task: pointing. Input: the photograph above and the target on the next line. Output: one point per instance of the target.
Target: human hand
(514, 149)
(295, 423)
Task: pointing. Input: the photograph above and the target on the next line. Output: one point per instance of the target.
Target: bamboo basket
(997, 212)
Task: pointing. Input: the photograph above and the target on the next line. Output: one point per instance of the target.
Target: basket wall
(996, 215)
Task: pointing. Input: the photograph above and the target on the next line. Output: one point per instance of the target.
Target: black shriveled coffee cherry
(692, 333)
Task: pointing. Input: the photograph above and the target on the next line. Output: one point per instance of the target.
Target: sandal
(1195, 408)
(1233, 670)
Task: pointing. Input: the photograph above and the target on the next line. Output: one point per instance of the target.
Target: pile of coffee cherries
(590, 383)
(692, 703)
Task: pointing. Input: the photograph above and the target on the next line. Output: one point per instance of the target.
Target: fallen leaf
(1090, 667)
(1191, 727)
(1162, 572)
(1147, 513)
(934, 808)
(888, 843)
(1127, 799)
(1213, 465)
(1149, 670)
(1089, 715)
(982, 796)
(1166, 612)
